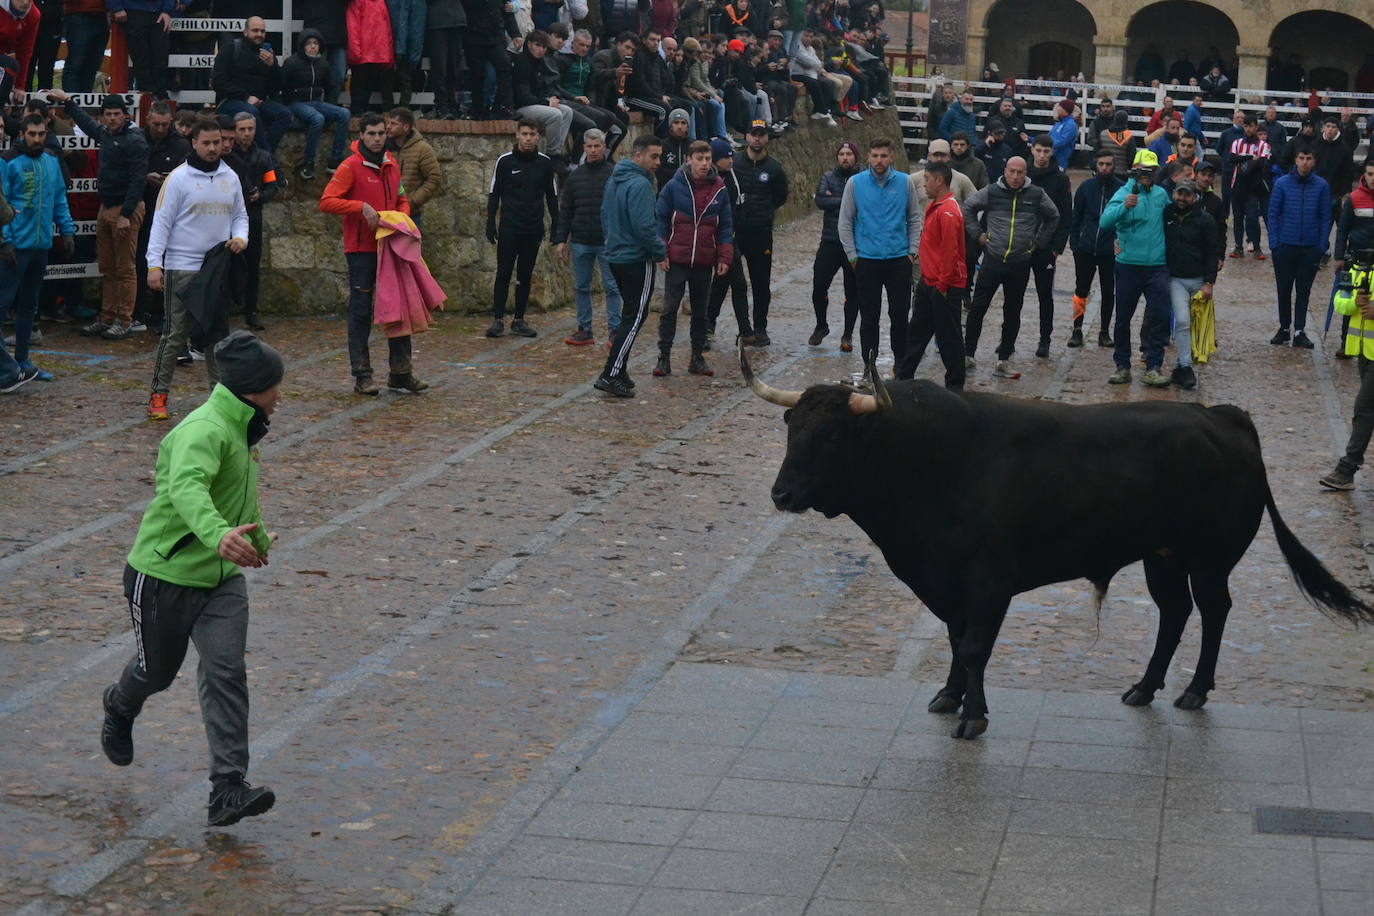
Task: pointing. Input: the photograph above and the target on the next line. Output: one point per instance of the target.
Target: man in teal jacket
(32, 182)
(182, 579)
(633, 247)
(1136, 212)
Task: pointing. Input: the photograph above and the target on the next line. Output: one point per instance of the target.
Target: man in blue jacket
(960, 117)
(633, 247)
(33, 185)
(1299, 227)
(1094, 248)
(1136, 212)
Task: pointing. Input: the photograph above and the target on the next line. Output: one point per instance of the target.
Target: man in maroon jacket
(18, 31)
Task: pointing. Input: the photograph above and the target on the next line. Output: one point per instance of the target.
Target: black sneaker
(1043, 351)
(1302, 341)
(232, 800)
(184, 359)
(761, 338)
(1184, 377)
(1279, 338)
(1339, 479)
(1076, 338)
(25, 376)
(1104, 339)
(818, 335)
(252, 322)
(365, 385)
(519, 328)
(613, 386)
(663, 367)
(626, 380)
(698, 366)
(305, 171)
(407, 382)
(497, 329)
(117, 734)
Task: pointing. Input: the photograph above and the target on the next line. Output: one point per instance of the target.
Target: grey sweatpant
(165, 618)
(176, 332)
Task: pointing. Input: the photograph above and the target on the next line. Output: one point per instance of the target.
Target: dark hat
(1120, 120)
(1205, 166)
(995, 126)
(1186, 185)
(112, 102)
(758, 127)
(247, 365)
(721, 149)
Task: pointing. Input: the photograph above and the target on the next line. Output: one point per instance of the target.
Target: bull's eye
(787, 415)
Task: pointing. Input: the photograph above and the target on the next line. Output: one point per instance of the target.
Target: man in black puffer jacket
(1192, 251)
(579, 222)
(763, 184)
(247, 78)
(1045, 174)
(326, 17)
(307, 82)
(830, 255)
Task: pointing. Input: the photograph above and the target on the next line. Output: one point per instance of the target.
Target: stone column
(1110, 66)
(974, 53)
(1253, 72)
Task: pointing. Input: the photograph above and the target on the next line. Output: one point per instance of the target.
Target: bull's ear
(787, 415)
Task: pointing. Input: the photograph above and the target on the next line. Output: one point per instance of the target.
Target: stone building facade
(1105, 39)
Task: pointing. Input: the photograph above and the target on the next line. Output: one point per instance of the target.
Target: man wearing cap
(183, 580)
(1190, 249)
(830, 255)
(123, 175)
(1136, 212)
(763, 184)
(674, 146)
(995, 150)
(879, 227)
(200, 205)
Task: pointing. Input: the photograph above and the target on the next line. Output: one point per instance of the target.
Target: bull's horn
(877, 401)
(767, 392)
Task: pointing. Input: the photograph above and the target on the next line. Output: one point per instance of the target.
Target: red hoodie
(359, 182)
(941, 251)
(17, 35)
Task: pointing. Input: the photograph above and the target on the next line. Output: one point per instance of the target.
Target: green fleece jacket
(207, 483)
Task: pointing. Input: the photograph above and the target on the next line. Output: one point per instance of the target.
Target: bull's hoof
(1138, 696)
(1190, 700)
(970, 728)
(945, 703)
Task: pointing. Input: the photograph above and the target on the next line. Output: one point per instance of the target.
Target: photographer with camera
(1352, 301)
(1136, 212)
(1355, 229)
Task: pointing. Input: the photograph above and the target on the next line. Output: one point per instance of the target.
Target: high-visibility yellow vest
(1359, 339)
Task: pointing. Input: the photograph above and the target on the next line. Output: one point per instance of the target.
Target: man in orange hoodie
(365, 184)
(940, 256)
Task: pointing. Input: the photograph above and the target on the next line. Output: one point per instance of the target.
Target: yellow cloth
(1204, 328)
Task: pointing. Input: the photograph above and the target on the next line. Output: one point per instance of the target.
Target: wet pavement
(504, 610)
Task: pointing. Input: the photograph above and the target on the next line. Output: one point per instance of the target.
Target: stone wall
(303, 263)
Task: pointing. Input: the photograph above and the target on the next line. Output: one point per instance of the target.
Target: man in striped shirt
(1249, 159)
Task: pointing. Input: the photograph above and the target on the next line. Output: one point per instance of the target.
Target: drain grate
(1346, 825)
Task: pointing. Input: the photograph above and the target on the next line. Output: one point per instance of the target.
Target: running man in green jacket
(183, 579)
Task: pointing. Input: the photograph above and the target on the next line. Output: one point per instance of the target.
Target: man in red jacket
(943, 278)
(18, 31)
(365, 184)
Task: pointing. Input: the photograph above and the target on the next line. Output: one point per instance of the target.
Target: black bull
(975, 498)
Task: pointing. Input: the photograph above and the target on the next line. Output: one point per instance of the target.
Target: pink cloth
(406, 290)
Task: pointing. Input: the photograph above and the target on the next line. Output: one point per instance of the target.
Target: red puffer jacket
(694, 219)
(369, 33)
(17, 37)
(359, 182)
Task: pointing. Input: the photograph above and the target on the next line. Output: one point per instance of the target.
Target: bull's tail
(1329, 594)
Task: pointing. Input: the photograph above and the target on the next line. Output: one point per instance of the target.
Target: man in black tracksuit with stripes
(763, 185)
(1044, 172)
(521, 187)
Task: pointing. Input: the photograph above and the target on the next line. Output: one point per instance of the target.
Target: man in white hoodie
(200, 205)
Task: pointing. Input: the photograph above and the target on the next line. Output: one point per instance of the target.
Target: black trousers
(936, 314)
(755, 247)
(250, 274)
(367, 79)
(732, 283)
(872, 277)
(481, 51)
(514, 253)
(1012, 279)
(1042, 268)
(1104, 265)
(446, 66)
(1362, 423)
(636, 284)
(821, 92)
(784, 96)
(830, 257)
(148, 47)
(696, 281)
(612, 122)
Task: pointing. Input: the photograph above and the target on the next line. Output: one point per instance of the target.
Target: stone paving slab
(738, 790)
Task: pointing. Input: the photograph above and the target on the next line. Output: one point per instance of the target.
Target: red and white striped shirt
(1244, 151)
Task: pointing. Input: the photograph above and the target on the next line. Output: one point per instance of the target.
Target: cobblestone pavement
(474, 588)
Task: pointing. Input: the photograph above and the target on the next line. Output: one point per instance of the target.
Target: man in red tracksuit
(365, 184)
(18, 32)
(944, 275)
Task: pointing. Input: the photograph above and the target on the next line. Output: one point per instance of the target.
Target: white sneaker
(853, 115)
(819, 116)
(196, 355)
(136, 327)
(1003, 370)
(831, 122)
(35, 338)
(876, 105)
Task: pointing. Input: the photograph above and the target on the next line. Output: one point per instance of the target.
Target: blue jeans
(86, 34)
(313, 115)
(20, 284)
(274, 120)
(716, 128)
(1181, 291)
(338, 69)
(1295, 265)
(1131, 282)
(585, 258)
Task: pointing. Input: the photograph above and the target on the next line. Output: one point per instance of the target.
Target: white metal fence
(1038, 97)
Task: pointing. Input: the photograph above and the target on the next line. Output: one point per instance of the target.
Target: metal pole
(910, 17)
